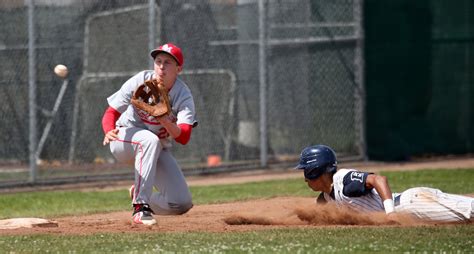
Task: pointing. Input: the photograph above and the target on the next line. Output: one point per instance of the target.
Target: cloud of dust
(329, 214)
(248, 219)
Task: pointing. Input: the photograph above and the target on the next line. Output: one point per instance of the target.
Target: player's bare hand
(110, 136)
(166, 120)
(163, 119)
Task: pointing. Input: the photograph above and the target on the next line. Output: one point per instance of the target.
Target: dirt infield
(208, 218)
(280, 212)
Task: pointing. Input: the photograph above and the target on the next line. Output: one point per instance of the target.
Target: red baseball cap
(170, 49)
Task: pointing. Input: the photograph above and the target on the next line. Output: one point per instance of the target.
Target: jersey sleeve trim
(185, 134)
(109, 119)
(354, 184)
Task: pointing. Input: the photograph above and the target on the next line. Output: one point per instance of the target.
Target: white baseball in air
(61, 70)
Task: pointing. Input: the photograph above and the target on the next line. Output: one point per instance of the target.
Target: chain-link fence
(268, 77)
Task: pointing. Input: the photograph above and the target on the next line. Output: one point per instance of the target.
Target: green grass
(446, 239)
(441, 239)
(59, 203)
(453, 181)
(252, 190)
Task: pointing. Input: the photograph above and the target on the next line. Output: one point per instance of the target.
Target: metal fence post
(32, 90)
(262, 64)
(359, 75)
(151, 28)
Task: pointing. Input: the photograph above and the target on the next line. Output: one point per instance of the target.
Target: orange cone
(213, 160)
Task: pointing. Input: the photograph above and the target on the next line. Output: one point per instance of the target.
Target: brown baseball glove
(152, 97)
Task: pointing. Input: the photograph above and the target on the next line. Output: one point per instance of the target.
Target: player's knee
(183, 204)
(186, 207)
(180, 208)
(151, 142)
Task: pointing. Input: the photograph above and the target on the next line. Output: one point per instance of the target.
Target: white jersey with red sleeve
(181, 100)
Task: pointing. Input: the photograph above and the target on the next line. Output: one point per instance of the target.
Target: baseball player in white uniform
(367, 192)
(135, 136)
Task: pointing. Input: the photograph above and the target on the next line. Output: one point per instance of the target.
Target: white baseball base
(26, 223)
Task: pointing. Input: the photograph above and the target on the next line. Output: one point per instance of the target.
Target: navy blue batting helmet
(317, 160)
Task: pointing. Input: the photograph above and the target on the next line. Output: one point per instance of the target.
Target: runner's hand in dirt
(393, 219)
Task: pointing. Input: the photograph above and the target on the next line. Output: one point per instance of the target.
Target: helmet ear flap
(332, 169)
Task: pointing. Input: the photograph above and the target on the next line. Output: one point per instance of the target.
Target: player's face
(315, 184)
(322, 183)
(166, 68)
